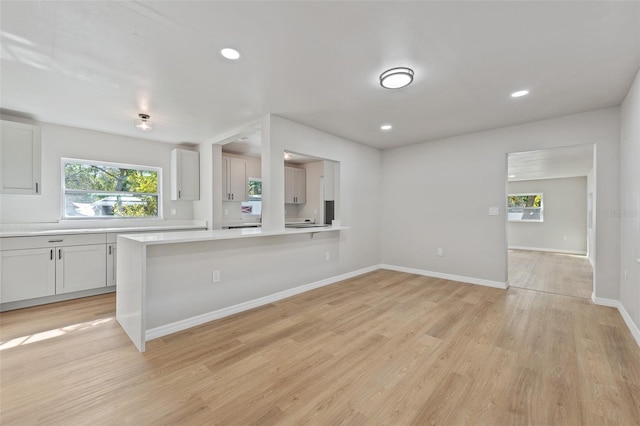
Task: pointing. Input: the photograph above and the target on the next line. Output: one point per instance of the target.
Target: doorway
(550, 231)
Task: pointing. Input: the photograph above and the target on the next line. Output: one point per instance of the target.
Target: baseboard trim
(9, 306)
(633, 328)
(181, 325)
(468, 280)
(549, 250)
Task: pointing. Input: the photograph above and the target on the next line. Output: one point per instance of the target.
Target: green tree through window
(95, 189)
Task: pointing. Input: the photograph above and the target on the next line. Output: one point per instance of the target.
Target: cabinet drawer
(21, 243)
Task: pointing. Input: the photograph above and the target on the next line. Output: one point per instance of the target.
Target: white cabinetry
(43, 266)
(19, 158)
(27, 274)
(80, 268)
(295, 185)
(234, 179)
(185, 175)
(112, 263)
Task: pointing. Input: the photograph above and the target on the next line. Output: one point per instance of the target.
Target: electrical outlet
(565, 238)
(626, 276)
(226, 212)
(327, 256)
(215, 276)
(440, 252)
(173, 211)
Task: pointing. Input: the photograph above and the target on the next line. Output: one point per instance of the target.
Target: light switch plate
(494, 211)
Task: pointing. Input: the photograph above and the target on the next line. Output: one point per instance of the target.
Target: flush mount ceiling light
(519, 93)
(386, 127)
(396, 78)
(230, 53)
(143, 123)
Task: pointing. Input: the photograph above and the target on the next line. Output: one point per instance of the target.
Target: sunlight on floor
(50, 334)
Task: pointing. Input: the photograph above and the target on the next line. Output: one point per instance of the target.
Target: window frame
(521, 194)
(63, 189)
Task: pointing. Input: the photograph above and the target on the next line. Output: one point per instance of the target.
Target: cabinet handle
(109, 250)
(179, 192)
(56, 241)
(51, 255)
(36, 187)
(232, 196)
(60, 254)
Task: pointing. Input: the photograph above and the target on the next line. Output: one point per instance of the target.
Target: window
(253, 207)
(106, 190)
(525, 207)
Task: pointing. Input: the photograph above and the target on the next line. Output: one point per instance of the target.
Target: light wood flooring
(382, 348)
(557, 273)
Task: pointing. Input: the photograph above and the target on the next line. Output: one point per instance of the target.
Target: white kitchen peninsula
(166, 280)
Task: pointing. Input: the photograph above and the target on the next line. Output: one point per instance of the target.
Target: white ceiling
(551, 163)
(97, 65)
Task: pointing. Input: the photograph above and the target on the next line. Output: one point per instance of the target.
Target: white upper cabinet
(295, 185)
(20, 158)
(185, 175)
(234, 179)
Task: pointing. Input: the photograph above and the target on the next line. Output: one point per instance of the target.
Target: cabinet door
(26, 274)
(111, 264)
(80, 268)
(289, 185)
(301, 186)
(185, 175)
(238, 179)
(20, 158)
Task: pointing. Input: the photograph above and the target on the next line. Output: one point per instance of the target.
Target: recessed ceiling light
(396, 78)
(230, 53)
(143, 122)
(386, 127)
(511, 176)
(519, 93)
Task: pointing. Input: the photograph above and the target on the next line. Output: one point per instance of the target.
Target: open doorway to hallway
(550, 199)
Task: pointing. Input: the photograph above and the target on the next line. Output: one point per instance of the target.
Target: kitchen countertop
(226, 234)
(35, 231)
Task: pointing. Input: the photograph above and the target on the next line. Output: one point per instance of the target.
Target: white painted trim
(469, 280)
(174, 327)
(635, 331)
(633, 328)
(550, 250)
(612, 303)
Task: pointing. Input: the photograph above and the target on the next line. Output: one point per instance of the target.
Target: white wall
(70, 142)
(565, 215)
(437, 194)
(358, 191)
(630, 202)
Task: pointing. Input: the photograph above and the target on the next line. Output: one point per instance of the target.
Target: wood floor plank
(382, 348)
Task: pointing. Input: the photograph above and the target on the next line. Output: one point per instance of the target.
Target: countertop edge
(217, 235)
(72, 231)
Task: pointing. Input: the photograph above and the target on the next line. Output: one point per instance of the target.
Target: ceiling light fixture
(396, 78)
(143, 123)
(512, 176)
(230, 53)
(519, 93)
(386, 127)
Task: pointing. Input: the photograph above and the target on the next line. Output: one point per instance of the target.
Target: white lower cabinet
(112, 263)
(33, 267)
(80, 268)
(27, 274)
